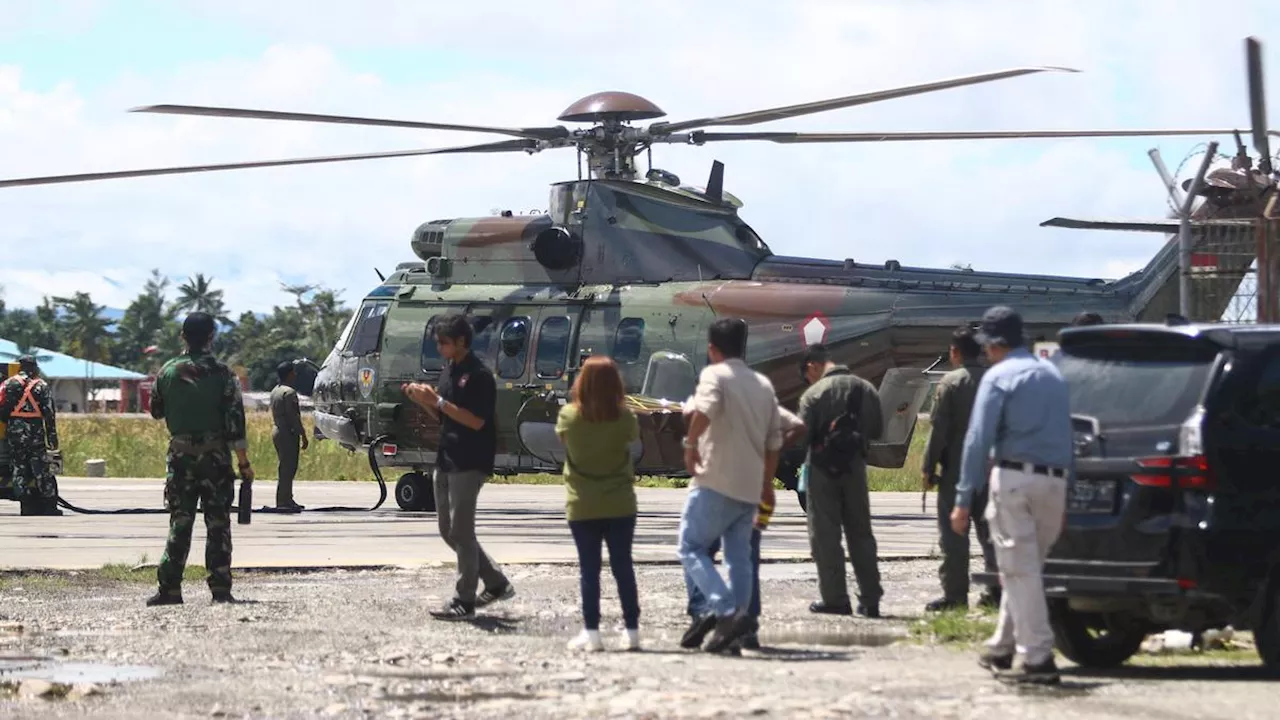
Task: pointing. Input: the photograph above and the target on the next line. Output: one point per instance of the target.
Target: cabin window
(366, 338)
(482, 331)
(513, 347)
(553, 348)
(628, 341)
(431, 360)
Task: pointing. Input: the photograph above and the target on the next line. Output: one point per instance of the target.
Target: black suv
(1173, 513)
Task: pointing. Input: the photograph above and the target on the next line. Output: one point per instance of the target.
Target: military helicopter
(636, 267)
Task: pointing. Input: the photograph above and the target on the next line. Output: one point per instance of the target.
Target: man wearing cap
(1021, 419)
(199, 399)
(26, 406)
(286, 431)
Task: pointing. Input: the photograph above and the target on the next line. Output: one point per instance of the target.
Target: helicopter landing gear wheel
(414, 492)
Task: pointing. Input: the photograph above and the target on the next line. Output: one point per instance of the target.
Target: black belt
(1030, 468)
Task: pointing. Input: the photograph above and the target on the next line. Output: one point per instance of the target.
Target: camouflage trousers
(204, 478)
(32, 477)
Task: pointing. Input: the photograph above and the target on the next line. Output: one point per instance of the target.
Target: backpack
(838, 445)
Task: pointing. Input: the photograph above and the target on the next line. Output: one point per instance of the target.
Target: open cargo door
(903, 392)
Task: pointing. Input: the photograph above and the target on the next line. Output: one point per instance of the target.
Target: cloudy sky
(70, 68)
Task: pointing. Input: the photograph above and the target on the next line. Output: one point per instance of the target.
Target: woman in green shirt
(597, 429)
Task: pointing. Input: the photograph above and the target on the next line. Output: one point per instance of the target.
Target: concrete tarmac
(515, 524)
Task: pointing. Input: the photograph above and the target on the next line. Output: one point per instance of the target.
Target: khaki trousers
(1025, 512)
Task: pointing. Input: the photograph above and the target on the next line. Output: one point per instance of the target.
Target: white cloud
(919, 203)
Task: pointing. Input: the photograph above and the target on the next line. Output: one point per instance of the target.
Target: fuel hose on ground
(373, 465)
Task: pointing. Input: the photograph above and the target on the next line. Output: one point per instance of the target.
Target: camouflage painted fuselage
(638, 271)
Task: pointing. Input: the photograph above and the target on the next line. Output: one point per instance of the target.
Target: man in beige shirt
(731, 450)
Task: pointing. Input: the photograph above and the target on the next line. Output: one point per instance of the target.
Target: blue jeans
(709, 516)
(698, 601)
(617, 533)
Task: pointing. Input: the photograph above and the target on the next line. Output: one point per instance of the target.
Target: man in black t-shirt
(464, 401)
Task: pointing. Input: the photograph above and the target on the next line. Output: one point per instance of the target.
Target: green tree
(86, 330)
(197, 295)
(143, 325)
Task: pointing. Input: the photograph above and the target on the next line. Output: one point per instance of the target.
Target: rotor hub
(612, 105)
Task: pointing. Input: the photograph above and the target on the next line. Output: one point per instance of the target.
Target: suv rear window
(1136, 385)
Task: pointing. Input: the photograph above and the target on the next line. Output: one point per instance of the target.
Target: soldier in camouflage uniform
(199, 399)
(26, 405)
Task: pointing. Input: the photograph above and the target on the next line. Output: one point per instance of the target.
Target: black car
(1173, 512)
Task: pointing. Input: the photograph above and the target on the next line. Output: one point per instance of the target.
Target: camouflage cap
(27, 361)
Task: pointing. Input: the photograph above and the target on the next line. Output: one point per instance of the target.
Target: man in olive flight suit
(26, 406)
(200, 401)
(286, 429)
(952, 403)
(840, 502)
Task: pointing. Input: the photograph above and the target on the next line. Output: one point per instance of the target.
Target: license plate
(1092, 496)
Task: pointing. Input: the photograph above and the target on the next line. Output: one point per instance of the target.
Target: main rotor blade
(699, 137)
(543, 133)
(790, 111)
(1257, 103)
(503, 146)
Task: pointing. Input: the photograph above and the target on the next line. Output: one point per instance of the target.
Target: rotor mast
(611, 146)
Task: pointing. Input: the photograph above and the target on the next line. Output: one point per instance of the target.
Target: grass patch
(954, 627)
(135, 447)
(1221, 656)
(110, 573)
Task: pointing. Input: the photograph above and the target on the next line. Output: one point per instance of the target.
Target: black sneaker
(1046, 673)
(164, 598)
(825, 609)
(455, 610)
(869, 609)
(750, 641)
(990, 599)
(698, 630)
(993, 662)
(728, 629)
(488, 597)
(223, 596)
(943, 605)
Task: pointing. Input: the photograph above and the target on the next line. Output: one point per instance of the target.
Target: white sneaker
(631, 640)
(588, 641)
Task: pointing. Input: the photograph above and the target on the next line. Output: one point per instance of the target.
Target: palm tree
(197, 295)
(85, 327)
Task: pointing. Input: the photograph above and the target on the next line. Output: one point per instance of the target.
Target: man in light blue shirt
(1020, 435)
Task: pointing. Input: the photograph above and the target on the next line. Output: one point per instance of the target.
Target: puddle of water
(830, 638)
(26, 668)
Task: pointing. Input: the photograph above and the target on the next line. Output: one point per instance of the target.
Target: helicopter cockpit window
(628, 341)
(431, 360)
(513, 347)
(553, 348)
(367, 336)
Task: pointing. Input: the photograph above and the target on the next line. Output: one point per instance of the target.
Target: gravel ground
(360, 644)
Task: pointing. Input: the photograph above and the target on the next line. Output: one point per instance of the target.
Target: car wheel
(412, 492)
(1267, 636)
(1097, 640)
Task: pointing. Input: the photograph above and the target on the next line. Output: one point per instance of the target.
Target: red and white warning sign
(815, 329)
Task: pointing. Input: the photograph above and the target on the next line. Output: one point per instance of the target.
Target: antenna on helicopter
(381, 277)
(715, 183)
(1241, 161)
